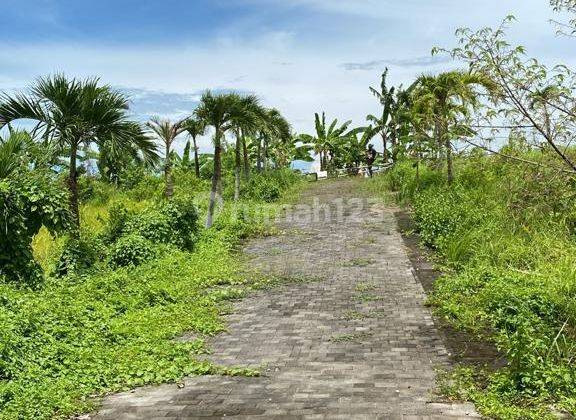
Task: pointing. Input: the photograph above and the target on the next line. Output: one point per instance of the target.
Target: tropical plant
(384, 124)
(248, 118)
(194, 127)
(290, 149)
(527, 96)
(167, 131)
(445, 98)
(219, 111)
(73, 112)
(326, 138)
(274, 130)
(30, 197)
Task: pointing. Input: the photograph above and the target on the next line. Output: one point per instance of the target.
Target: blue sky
(300, 56)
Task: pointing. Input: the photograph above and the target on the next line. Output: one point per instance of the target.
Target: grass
(504, 235)
(106, 330)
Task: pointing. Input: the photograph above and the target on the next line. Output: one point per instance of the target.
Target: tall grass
(505, 235)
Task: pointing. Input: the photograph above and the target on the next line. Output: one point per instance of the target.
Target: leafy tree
(290, 149)
(385, 123)
(73, 112)
(569, 6)
(326, 138)
(527, 96)
(167, 132)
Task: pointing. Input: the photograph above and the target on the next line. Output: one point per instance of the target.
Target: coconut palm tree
(219, 111)
(167, 131)
(195, 127)
(72, 113)
(447, 97)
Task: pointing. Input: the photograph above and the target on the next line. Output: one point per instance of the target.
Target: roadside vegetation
(105, 255)
(484, 157)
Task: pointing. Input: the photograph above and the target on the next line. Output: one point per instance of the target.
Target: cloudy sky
(301, 56)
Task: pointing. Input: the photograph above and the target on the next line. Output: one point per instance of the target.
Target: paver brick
(316, 361)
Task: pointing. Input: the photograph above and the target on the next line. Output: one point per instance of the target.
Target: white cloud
(297, 77)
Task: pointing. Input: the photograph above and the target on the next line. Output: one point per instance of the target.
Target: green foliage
(79, 255)
(174, 222)
(130, 250)
(28, 201)
(504, 232)
(141, 274)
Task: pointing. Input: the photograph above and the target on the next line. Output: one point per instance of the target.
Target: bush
(28, 201)
(269, 186)
(174, 222)
(505, 231)
(131, 250)
(79, 255)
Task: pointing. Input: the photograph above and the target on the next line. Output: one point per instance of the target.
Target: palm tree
(13, 150)
(72, 113)
(447, 97)
(219, 111)
(195, 128)
(167, 132)
(249, 116)
(275, 128)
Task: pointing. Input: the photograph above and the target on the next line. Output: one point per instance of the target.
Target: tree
(195, 127)
(326, 138)
(569, 6)
(73, 112)
(218, 111)
(248, 117)
(30, 197)
(350, 151)
(274, 129)
(290, 149)
(385, 123)
(527, 96)
(167, 132)
(447, 97)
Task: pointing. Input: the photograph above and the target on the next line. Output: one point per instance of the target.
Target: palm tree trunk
(449, 163)
(259, 157)
(215, 179)
(265, 155)
(196, 161)
(168, 173)
(73, 188)
(246, 160)
(237, 166)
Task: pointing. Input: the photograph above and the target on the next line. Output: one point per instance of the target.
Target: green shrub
(505, 232)
(79, 255)
(28, 201)
(130, 250)
(174, 222)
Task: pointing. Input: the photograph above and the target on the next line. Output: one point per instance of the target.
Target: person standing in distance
(371, 154)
